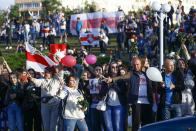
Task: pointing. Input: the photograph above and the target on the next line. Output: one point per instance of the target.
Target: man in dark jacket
(140, 96)
(170, 92)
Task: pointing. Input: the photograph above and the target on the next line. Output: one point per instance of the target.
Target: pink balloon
(68, 61)
(91, 59)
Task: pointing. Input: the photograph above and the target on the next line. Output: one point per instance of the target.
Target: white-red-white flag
(89, 39)
(92, 21)
(35, 60)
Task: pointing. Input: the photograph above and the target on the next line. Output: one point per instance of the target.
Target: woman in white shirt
(73, 115)
(50, 98)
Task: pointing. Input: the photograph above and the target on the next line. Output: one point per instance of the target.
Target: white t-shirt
(142, 96)
(27, 27)
(113, 99)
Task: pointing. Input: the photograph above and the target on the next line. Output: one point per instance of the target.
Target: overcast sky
(4, 4)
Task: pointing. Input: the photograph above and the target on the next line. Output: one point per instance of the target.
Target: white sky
(4, 4)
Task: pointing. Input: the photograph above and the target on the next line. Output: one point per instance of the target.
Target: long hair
(12, 74)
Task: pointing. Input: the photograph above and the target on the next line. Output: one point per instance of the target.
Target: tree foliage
(14, 12)
(90, 7)
(50, 6)
(2, 17)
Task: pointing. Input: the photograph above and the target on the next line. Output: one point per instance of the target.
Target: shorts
(62, 31)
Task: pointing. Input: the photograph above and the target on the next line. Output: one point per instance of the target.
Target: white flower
(80, 98)
(132, 40)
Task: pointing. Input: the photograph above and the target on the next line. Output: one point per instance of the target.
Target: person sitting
(20, 48)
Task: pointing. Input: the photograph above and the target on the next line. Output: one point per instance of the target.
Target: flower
(132, 40)
(82, 103)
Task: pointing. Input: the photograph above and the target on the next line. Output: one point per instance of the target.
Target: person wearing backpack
(72, 111)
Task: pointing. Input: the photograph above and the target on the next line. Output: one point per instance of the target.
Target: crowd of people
(49, 100)
(67, 99)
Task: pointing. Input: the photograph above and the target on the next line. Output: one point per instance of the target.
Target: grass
(17, 60)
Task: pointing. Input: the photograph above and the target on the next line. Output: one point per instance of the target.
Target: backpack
(62, 105)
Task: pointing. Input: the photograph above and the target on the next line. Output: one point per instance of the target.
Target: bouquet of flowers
(133, 45)
(185, 38)
(82, 103)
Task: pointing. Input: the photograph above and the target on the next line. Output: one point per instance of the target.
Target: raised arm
(7, 66)
(186, 53)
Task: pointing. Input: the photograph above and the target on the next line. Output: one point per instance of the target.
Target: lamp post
(162, 9)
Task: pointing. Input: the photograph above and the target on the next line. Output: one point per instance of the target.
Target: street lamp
(163, 9)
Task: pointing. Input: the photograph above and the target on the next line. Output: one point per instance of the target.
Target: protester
(31, 104)
(63, 33)
(171, 92)
(52, 96)
(50, 89)
(79, 25)
(73, 113)
(114, 116)
(183, 71)
(13, 100)
(103, 41)
(140, 96)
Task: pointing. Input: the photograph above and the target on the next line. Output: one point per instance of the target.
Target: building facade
(32, 6)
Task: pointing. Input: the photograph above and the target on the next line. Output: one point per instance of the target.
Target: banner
(92, 21)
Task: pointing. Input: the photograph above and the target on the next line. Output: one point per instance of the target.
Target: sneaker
(6, 47)
(46, 48)
(65, 40)
(10, 47)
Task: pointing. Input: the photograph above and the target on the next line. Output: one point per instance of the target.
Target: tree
(14, 12)
(2, 17)
(90, 7)
(50, 6)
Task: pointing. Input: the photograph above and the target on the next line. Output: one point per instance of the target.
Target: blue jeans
(69, 124)
(15, 117)
(33, 38)
(26, 36)
(49, 116)
(171, 111)
(114, 118)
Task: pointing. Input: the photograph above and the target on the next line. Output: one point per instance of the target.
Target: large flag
(57, 52)
(92, 21)
(35, 60)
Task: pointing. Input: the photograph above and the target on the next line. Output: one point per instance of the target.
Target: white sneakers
(8, 47)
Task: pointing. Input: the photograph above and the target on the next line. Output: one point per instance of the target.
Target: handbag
(102, 104)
